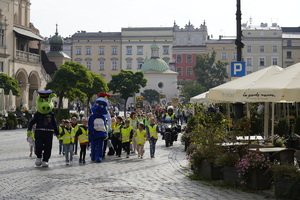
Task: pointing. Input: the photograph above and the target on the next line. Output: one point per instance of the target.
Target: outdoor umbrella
(33, 108)
(10, 101)
(201, 98)
(2, 100)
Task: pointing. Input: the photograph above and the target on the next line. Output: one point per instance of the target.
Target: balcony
(28, 57)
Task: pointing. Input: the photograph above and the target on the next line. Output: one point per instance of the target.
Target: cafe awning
(26, 33)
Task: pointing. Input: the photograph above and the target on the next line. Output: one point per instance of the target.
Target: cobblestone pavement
(163, 177)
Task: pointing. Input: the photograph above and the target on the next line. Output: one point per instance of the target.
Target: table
(268, 149)
(252, 138)
(230, 144)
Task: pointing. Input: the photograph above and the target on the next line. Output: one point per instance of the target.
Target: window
(129, 64)
(189, 71)
(289, 43)
(88, 51)
(224, 56)
(275, 49)
(165, 50)
(114, 50)
(288, 54)
(234, 56)
(249, 61)
(78, 50)
(274, 61)
(261, 48)
(1, 67)
(189, 59)
(261, 62)
(2, 37)
(249, 49)
(89, 65)
(114, 65)
(139, 64)
(129, 50)
(179, 71)
(160, 85)
(139, 50)
(178, 58)
(101, 50)
(101, 65)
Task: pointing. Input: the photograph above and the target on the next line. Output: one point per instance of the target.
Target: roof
(291, 29)
(27, 33)
(156, 64)
(161, 72)
(56, 39)
(147, 29)
(84, 34)
(57, 54)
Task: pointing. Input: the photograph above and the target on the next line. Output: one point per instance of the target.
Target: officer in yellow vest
(68, 136)
(152, 133)
(82, 135)
(126, 136)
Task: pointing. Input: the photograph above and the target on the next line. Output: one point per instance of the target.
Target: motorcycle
(170, 132)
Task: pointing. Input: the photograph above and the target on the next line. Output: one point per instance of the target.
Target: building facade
(290, 46)
(20, 49)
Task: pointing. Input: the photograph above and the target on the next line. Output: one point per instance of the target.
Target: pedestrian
(82, 135)
(116, 136)
(75, 126)
(30, 140)
(134, 123)
(152, 135)
(60, 139)
(68, 140)
(140, 139)
(116, 111)
(126, 136)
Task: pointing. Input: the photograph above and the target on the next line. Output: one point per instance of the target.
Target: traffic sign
(238, 69)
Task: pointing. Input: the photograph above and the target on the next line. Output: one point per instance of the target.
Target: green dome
(154, 46)
(56, 39)
(154, 64)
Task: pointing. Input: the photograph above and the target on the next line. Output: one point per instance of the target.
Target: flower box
(260, 179)
(208, 170)
(230, 174)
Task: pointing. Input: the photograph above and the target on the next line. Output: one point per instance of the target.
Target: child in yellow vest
(82, 135)
(126, 136)
(68, 136)
(152, 133)
(140, 139)
(60, 139)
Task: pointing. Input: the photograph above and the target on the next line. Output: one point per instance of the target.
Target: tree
(98, 85)
(69, 80)
(127, 83)
(190, 89)
(9, 83)
(150, 95)
(210, 73)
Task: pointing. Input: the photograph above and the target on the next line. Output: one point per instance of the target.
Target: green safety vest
(83, 138)
(69, 137)
(125, 131)
(153, 132)
(140, 137)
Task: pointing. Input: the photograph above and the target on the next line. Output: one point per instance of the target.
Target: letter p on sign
(238, 69)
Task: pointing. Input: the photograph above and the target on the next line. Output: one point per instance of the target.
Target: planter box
(230, 174)
(207, 170)
(260, 180)
(286, 189)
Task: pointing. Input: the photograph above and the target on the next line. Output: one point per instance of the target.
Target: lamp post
(238, 41)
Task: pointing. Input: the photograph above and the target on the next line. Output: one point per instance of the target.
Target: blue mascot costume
(99, 125)
(45, 127)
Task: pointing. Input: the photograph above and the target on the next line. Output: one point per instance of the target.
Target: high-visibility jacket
(140, 137)
(170, 117)
(117, 130)
(125, 133)
(60, 131)
(83, 138)
(68, 136)
(76, 127)
(153, 131)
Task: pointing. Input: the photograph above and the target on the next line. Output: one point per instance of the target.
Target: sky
(112, 15)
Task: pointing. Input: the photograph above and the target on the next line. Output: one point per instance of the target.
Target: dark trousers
(117, 145)
(82, 151)
(152, 142)
(126, 147)
(75, 146)
(43, 144)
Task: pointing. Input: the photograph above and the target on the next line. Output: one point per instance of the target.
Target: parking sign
(238, 69)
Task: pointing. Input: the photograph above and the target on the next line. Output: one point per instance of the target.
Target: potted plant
(228, 161)
(286, 181)
(254, 171)
(11, 121)
(2, 122)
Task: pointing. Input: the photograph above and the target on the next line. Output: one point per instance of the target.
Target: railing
(26, 56)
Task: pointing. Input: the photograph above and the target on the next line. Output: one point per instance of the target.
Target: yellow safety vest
(83, 138)
(76, 128)
(140, 137)
(69, 136)
(153, 132)
(125, 131)
(60, 130)
(170, 117)
(117, 128)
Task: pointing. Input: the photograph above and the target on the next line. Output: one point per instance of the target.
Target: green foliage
(127, 83)
(61, 114)
(9, 83)
(282, 128)
(2, 122)
(151, 96)
(227, 159)
(209, 72)
(297, 125)
(11, 119)
(69, 80)
(190, 89)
